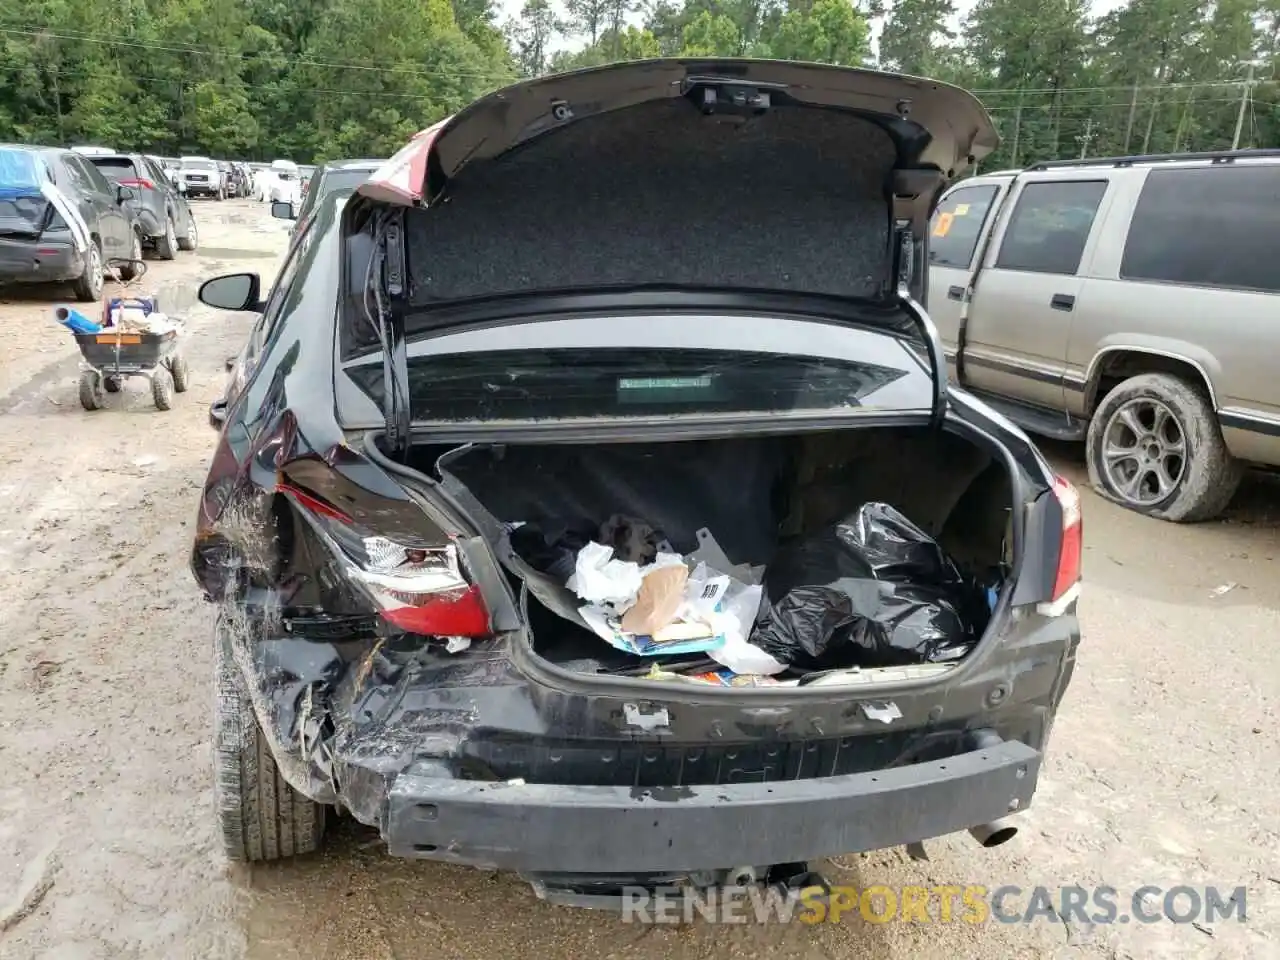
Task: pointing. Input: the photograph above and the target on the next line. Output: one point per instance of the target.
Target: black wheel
(260, 816)
(180, 372)
(1155, 446)
(162, 389)
(88, 286)
(91, 395)
(131, 271)
(192, 239)
(111, 384)
(167, 245)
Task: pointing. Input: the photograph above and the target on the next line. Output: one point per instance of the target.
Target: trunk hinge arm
(395, 362)
(914, 194)
(924, 323)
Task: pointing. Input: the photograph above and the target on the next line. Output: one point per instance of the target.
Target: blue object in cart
(75, 321)
(146, 304)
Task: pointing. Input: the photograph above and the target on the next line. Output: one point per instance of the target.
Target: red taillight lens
(139, 182)
(1069, 558)
(417, 589)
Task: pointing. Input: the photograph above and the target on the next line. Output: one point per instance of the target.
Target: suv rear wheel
(167, 244)
(1154, 446)
(88, 286)
(260, 816)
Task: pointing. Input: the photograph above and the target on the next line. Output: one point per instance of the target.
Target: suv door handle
(1062, 301)
(955, 293)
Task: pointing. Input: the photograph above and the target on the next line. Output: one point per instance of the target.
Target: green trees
(317, 79)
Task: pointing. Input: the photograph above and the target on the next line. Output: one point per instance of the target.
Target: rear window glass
(611, 382)
(21, 171)
(1050, 226)
(957, 225)
(116, 169)
(1210, 226)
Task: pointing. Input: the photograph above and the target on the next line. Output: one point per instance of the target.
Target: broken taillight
(1069, 557)
(417, 588)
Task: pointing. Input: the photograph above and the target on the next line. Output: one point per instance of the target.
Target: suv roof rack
(1212, 156)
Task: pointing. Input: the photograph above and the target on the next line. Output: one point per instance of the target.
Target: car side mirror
(283, 210)
(125, 193)
(232, 291)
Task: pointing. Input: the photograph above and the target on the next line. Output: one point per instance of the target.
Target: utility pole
(1086, 138)
(1245, 95)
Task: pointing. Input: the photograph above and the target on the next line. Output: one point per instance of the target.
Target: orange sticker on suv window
(943, 226)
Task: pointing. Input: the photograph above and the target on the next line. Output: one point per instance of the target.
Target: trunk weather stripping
(390, 293)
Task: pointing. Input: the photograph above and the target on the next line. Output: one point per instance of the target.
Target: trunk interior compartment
(842, 549)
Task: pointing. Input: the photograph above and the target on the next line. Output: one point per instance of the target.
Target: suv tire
(192, 240)
(167, 244)
(88, 286)
(260, 816)
(1155, 446)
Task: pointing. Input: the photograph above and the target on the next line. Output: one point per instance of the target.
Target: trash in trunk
(662, 608)
(658, 602)
(874, 590)
(601, 580)
(717, 678)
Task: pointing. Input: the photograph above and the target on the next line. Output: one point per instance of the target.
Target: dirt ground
(1162, 770)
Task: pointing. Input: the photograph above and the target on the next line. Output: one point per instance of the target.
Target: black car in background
(338, 177)
(61, 220)
(163, 215)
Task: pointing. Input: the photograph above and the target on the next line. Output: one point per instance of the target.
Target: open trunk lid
(647, 180)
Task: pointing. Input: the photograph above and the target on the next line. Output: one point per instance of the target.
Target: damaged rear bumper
(579, 829)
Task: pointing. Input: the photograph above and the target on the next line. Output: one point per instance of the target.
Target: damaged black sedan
(597, 507)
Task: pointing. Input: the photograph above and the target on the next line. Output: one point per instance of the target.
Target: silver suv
(1131, 303)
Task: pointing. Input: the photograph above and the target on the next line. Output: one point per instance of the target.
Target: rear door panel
(1019, 323)
(955, 242)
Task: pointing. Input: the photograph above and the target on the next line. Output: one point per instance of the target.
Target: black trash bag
(873, 591)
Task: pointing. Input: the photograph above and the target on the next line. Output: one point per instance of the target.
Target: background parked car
(200, 177)
(61, 220)
(1129, 303)
(338, 178)
(162, 213)
(284, 182)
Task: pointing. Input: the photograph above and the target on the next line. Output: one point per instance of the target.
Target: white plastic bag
(731, 607)
(601, 580)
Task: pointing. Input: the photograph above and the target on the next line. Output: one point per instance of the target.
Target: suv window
(1050, 226)
(115, 168)
(76, 174)
(1209, 226)
(957, 225)
(92, 178)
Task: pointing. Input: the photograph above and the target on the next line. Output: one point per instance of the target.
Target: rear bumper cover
(557, 828)
(38, 261)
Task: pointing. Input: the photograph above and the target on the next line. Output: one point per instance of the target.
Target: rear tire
(88, 286)
(1141, 415)
(130, 272)
(192, 240)
(162, 389)
(180, 372)
(91, 395)
(167, 245)
(260, 816)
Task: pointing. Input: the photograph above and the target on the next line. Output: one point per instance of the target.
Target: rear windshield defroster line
(574, 383)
